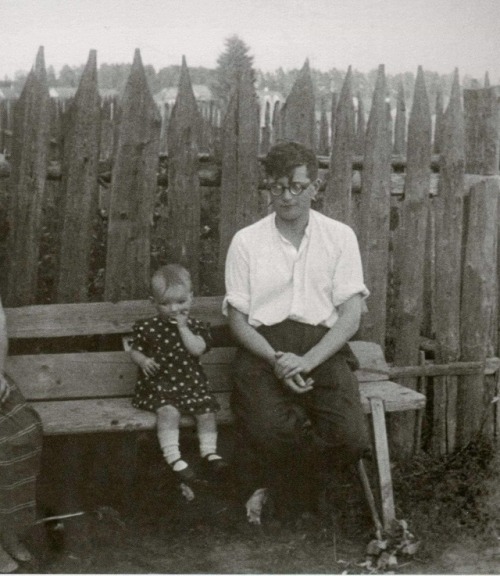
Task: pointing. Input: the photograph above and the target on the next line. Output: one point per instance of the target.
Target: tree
(230, 65)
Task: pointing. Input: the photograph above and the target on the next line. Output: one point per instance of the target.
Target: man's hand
(4, 389)
(289, 365)
(149, 366)
(298, 385)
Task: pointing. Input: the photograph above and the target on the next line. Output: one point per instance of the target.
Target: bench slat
(82, 319)
(96, 374)
(117, 414)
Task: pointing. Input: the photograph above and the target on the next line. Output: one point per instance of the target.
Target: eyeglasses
(295, 188)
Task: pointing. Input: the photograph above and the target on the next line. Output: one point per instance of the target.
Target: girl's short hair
(285, 156)
(170, 275)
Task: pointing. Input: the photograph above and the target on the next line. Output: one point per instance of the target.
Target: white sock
(169, 443)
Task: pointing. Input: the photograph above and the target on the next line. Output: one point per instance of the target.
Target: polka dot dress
(180, 381)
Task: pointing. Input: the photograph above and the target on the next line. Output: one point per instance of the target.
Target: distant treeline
(115, 76)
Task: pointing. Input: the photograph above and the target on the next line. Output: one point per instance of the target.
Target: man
(294, 297)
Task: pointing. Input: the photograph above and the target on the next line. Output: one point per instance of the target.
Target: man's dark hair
(284, 157)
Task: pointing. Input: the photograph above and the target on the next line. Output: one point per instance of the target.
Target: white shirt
(269, 280)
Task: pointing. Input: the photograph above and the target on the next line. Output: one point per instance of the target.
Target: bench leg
(383, 461)
(369, 495)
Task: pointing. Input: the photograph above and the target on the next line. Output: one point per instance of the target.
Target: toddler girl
(172, 382)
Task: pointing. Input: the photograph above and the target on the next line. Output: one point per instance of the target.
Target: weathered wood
(323, 144)
(479, 291)
(400, 123)
(488, 367)
(438, 121)
(107, 129)
(377, 406)
(118, 414)
(448, 215)
(79, 187)
(56, 320)
(182, 229)
(240, 168)
(133, 189)
(27, 181)
(337, 199)
(481, 131)
(374, 214)
(298, 117)
(411, 240)
(333, 113)
(360, 127)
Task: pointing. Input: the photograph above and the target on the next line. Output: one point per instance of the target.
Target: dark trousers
(284, 439)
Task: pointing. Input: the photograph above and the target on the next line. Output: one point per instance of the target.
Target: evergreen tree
(231, 63)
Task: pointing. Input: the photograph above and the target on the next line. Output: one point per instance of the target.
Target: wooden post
(298, 113)
(410, 270)
(79, 187)
(479, 291)
(449, 232)
(183, 224)
(400, 123)
(481, 131)
(240, 168)
(29, 166)
(374, 216)
(133, 189)
(337, 200)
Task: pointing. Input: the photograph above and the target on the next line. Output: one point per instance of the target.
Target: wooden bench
(78, 392)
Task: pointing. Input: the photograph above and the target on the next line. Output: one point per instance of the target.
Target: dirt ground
(146, 526)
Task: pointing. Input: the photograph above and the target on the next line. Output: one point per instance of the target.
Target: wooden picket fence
(119, 186)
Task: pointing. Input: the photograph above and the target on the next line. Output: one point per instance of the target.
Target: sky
(439, 35)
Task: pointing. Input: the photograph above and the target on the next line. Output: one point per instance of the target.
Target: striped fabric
(20, 451)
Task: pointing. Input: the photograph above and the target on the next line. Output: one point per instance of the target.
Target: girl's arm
(194, 343)
(146, 364)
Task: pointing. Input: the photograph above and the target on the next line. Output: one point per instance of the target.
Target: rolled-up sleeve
(348, 279)
(237, 277)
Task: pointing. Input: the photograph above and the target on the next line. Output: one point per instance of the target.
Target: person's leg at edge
(168, 437)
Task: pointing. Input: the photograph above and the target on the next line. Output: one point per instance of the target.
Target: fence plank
(481, 131)
(335, 99)
(323, 144)
(400, 123)
(438, 122)
(449, 230)
(79, 187)
(133, 190)
(240, 168)
(479, 291)
(337, 199)
(298, 117)
(27, 181)
(276, 133)
(411, 240)
(374, 215)
(360, 127)
(184, 199)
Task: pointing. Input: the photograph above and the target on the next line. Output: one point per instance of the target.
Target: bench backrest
(96, 374)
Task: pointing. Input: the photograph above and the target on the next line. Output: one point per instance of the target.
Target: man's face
(289, 206)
